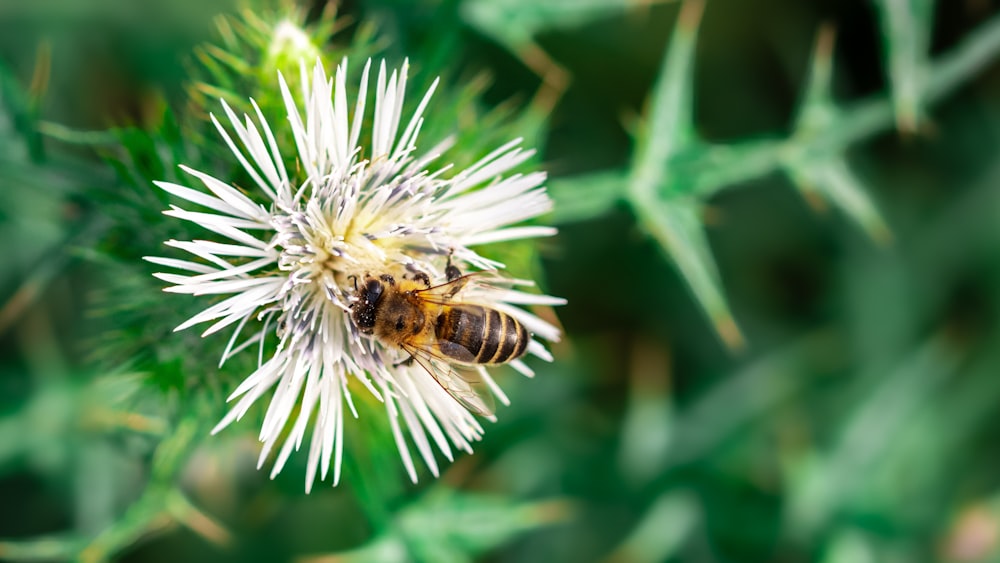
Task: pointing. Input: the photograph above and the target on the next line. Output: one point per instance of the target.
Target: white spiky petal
(287, 264)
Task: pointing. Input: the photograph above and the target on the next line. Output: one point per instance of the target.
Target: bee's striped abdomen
(475, 334)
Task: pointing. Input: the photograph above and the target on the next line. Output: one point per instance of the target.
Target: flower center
(310, 251)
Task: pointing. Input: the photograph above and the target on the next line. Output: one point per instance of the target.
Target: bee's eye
(373, 290)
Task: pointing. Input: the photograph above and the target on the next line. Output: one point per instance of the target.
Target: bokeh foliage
(840, 404)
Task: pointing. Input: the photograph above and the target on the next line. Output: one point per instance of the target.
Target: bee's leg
(406, 362)
(418, 275)
(450, 270)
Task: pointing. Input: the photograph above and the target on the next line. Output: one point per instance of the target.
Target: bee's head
(364, 308)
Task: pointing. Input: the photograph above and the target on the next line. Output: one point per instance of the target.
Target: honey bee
(428, 324)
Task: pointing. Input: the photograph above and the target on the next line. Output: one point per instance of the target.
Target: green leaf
(675, 222)
(662, 531)
(823, 128)
(473, 523)
(20, 113)
(735, 403)
(828, 482)
(42, 432)
(976, 52)
(906, 32)
(703, 169)
(669, 125)
(834, 181)
(48, 548)
(579, 198)
(851, 546)
(514, 23)
(818, 110)
(157, 508)
(676, 225)
(649, 424)
(447, 525)
(821, 170)
(143, 517)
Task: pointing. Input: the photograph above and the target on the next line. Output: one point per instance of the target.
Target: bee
(431, 326)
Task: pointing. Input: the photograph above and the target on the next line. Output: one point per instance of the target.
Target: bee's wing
(442, 293)
(465, 386)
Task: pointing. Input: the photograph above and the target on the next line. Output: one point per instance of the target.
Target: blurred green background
(779, 239)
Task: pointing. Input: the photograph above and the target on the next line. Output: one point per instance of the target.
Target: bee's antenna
(355, 279)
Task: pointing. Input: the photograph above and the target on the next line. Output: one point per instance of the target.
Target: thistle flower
(297, 243)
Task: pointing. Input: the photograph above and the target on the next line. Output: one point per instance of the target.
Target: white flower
(295, 244)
